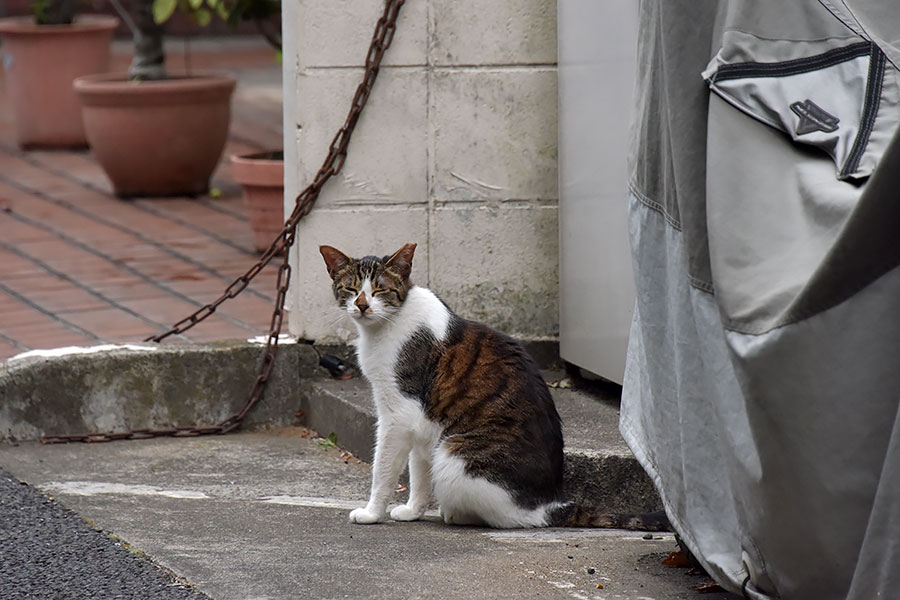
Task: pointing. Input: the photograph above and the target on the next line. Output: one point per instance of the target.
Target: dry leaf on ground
(677, 559)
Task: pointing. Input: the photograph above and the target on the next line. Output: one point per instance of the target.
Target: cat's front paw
(405, 512)
(365, 516)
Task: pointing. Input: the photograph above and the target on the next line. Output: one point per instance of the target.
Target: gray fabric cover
(763, 378)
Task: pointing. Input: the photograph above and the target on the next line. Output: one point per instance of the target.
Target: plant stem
(126, 18)
(66, 11)
(273, 38)
(149, 56)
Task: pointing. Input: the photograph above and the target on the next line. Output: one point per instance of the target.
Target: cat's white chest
(377, 359)
(378, 348)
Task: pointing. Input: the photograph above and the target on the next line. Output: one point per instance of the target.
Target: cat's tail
(572, 514)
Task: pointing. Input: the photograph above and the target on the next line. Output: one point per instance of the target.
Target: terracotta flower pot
(41, 61)
(157, 138)
(262, 177)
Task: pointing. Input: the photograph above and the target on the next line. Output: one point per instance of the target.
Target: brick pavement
(78, 266)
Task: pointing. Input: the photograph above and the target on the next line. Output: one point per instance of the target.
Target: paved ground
(47, 551)
(79, 266)
(264, 515)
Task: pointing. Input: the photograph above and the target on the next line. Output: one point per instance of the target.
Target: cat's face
(369, 289)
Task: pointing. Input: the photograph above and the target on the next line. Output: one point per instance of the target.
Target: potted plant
(261, 174)
(42, 56)
(155, 132)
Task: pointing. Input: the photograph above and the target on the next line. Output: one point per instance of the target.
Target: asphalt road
(47, 551)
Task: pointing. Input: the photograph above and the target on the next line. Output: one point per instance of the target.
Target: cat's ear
(335, 260)
(401, 261)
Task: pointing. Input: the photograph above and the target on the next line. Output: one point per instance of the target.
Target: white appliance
(597, 49)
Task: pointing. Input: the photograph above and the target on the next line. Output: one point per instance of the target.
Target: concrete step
(599, 467)
(151, 386)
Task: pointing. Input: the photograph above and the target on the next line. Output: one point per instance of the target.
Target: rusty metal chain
(334, 162)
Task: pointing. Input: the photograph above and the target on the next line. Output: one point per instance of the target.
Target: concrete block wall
(456, 151)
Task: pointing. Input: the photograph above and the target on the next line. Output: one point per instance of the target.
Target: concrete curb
(149, 386)
(118, 388)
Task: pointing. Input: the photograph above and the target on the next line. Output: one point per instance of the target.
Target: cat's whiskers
(385, 317)
(340, 316)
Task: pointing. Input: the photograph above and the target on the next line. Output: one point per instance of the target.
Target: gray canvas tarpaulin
(763, 378)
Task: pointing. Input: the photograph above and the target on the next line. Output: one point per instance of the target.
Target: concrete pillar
(456, 151)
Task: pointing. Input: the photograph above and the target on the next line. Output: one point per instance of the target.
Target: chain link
(334, 162)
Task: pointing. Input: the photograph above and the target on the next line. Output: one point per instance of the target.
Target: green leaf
(163, 9)
(329, 442)
(203, 17)
(221, 10)
(195, 4)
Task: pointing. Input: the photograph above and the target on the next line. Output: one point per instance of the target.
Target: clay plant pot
(157, 138)
(262, 178)
(41, 62)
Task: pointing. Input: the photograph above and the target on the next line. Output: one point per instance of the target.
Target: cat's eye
(383, 291)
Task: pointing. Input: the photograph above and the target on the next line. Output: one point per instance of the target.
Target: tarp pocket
(832, 96)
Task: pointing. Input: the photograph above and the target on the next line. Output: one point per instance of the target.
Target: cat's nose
(361, 303)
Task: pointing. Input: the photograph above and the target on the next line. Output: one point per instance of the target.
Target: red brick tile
(79, 165)
(249, 309)
(66, 196)
(37, 284)
(54, 300)
(21, 319)
(216, 328)
(208, 291)
(49, 334)
(132, 338)
(15, 266)
(128, 288)
(7, 350)
(106, 322)
(13, 230)
(73, 261)
(165, 311)
(58, 339)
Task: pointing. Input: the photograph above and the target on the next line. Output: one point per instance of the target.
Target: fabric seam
(652, 204)
(852, 35)
(797, 66)
(871, 105)
(702, 286)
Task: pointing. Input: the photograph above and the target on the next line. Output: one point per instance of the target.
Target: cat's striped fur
(463, 404)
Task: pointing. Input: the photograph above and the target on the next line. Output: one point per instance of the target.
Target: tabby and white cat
(464, 405)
